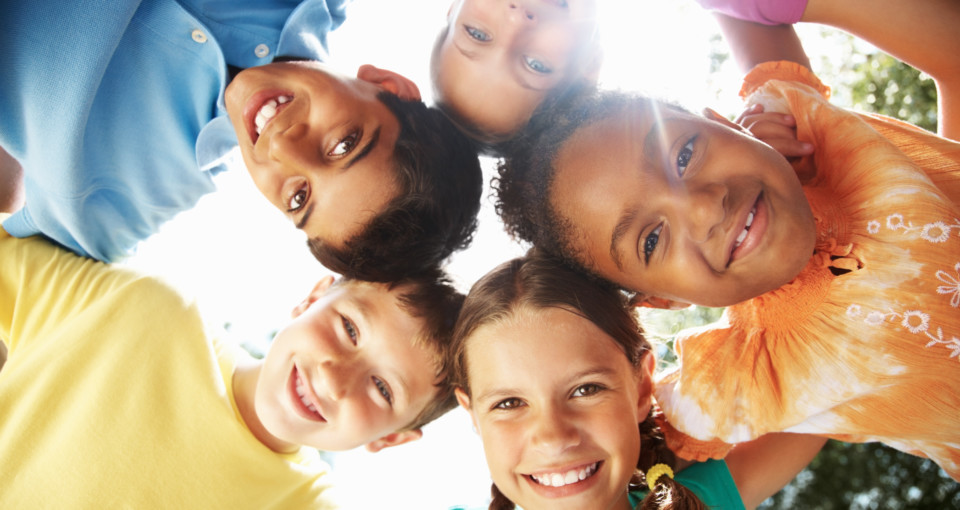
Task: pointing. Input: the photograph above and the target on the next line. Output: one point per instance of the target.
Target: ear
(395, 439)
(712, 114)
(390, 81)
(464, 400)
(641, 300)
(318, 290)
(645, 385)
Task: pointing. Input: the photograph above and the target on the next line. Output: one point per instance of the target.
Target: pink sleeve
(767, 12)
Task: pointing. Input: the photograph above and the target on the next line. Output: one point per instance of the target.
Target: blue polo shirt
(115, 108)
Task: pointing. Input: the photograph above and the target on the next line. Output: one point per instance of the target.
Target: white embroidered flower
(952, 285)
(853, 311)
(936, 232)
(954, 346)
(874, 318)
(873, 227)
(895, 221)
(915, 321)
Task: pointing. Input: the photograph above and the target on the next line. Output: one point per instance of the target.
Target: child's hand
(778, 130)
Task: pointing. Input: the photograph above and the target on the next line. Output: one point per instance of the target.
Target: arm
(922, 33)
(753, 43)
(763, 466)
(11, 183)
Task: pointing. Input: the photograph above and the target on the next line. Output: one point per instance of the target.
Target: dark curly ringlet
(539, 280)
(438, 172)
(430, 297)
(526, 171)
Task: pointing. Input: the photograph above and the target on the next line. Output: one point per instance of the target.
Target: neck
(245, 379)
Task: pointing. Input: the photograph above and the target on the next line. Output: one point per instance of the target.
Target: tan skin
(661, 199)
(550, 393)
(500, 58)
(325, 158)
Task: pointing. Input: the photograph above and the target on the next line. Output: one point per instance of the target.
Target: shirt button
(262, 50)
(198, 36)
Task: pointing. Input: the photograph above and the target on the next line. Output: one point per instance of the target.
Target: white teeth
(302, 394)
(561, 479)
(268, 111)
(741, 237)
(743, 234)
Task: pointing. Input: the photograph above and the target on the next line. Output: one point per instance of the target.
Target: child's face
(345, 371)
(676, 206)
(500, 57)
(557, 405)
(301, 127)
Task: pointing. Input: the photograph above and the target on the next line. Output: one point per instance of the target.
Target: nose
(290, 147)
(520, 13)
(705, 210)
(554, 431)
(340, 377)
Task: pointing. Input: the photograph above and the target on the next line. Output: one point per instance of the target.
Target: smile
(268, 111)
(746, 228)
(560, 479)
(304, 400)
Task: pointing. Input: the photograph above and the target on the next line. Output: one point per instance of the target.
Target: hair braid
(499, 501)
(668, 493)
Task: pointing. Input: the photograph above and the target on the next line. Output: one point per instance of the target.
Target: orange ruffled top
(864, 344)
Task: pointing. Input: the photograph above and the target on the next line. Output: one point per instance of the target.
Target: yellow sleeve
(41, 284)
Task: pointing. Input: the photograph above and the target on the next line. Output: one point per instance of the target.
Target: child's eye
(650, 242)
(297, 200)
(350, 329)
(537, 66)
(685, 155)
(384, 390)
(508, 403)
(585, 390)
(477, 34)
(345, 145)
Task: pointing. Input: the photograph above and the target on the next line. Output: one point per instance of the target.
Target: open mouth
(261, 109)
(752, 232)
(305, 401)
(746, 228)
(569, 477)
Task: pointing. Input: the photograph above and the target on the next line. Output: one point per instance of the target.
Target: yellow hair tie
(655, 472)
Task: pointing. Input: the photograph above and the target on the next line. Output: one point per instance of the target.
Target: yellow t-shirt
(867, 355)
(113, 396)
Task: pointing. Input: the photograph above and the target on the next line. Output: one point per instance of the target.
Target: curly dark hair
(526, 171)
(438, 171)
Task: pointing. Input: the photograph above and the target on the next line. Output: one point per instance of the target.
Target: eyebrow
(374, 139)
(305, 217)
(498, 393)
(626, 220)
(651, 147)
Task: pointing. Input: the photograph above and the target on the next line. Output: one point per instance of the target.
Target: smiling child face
(319, 145)
(676, 206)
(346, 371)
(556, 403)
(500, 58)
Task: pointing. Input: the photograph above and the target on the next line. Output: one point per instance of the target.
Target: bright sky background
(249, 267)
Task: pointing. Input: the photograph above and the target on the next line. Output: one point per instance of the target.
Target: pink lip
(301, 409)
(569, 489)
(754, 235)
(253, 105)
